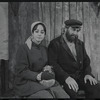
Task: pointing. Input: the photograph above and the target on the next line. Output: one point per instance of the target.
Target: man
(71, 63)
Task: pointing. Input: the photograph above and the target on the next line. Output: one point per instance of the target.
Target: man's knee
(70, 92)
(60, 92)
(89, 86)
(93, 90)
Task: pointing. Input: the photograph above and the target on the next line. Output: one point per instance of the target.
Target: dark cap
(73, 23)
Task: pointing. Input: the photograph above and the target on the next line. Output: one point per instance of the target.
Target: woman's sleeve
(22, 65)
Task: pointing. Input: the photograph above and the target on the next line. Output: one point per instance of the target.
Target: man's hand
(92, 80)
(72, 84)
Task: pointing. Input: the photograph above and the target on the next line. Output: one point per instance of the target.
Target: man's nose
(75, 32)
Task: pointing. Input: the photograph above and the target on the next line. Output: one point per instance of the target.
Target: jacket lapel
(65, 46)
(77, 47)
(79, 53)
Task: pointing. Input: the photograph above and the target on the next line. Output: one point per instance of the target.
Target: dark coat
(63, 62)
(28, 64)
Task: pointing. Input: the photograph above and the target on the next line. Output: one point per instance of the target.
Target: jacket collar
(78, 47)
(29, 43)
(65, 46)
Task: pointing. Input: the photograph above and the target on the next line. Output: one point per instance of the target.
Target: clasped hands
(46, 77)
(72, 84)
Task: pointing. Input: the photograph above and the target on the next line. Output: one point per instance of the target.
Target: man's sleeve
(86, 63)
(22, 65)
(53, 53)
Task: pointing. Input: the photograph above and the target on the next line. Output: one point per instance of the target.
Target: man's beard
(72, 37)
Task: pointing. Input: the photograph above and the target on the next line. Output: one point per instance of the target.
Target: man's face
(72, 34)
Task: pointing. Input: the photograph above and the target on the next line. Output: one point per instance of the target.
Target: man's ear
(63, 30)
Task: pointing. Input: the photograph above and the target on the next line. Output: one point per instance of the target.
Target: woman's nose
(39, 33)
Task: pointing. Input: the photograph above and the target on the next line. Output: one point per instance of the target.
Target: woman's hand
(39, 76)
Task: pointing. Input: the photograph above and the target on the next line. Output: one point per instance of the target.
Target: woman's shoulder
(43, 46)
(22, 47)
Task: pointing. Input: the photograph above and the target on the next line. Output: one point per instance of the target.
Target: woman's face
(38, 34)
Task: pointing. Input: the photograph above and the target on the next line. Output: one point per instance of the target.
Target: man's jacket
(63, 61)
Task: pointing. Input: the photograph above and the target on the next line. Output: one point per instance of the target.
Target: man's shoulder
(57, 39)
(55, 42)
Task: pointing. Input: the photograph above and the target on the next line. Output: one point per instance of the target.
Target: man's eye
(74, 29)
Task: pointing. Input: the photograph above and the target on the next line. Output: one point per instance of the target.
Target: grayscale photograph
(50, 50)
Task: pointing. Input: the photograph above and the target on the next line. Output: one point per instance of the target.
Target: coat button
(80, 62)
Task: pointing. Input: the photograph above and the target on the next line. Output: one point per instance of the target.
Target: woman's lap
(41, 94)
(53, 92)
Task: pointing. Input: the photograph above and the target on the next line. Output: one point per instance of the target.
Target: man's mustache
(74, 35)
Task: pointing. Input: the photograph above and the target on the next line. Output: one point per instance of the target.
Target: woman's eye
(42, 32)
(36, 31)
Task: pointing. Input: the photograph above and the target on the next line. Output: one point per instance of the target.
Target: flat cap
(73, 23)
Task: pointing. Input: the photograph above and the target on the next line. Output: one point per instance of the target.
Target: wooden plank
(34, 11)
(95, 41)
(80, 17)
(30, 17)
(0, 78)
(40, 12)
(72, 13)
(46, 20)
(5, 7)
(32, 14)
(6, 75)
(89, 35)
(28, 13)
(58, 19)
(93, 28)
(13, 36)
(2, 74)
(86, 25)
(23, 23)
(52, 19)
(41, 9)
(4, 31)
(98, 47)
(65, 11)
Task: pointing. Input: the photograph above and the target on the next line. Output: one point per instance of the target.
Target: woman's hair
(35, 27)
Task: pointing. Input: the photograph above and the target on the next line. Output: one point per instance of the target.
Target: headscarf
(28, 41)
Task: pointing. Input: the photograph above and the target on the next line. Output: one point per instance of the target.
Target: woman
(31, 59)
